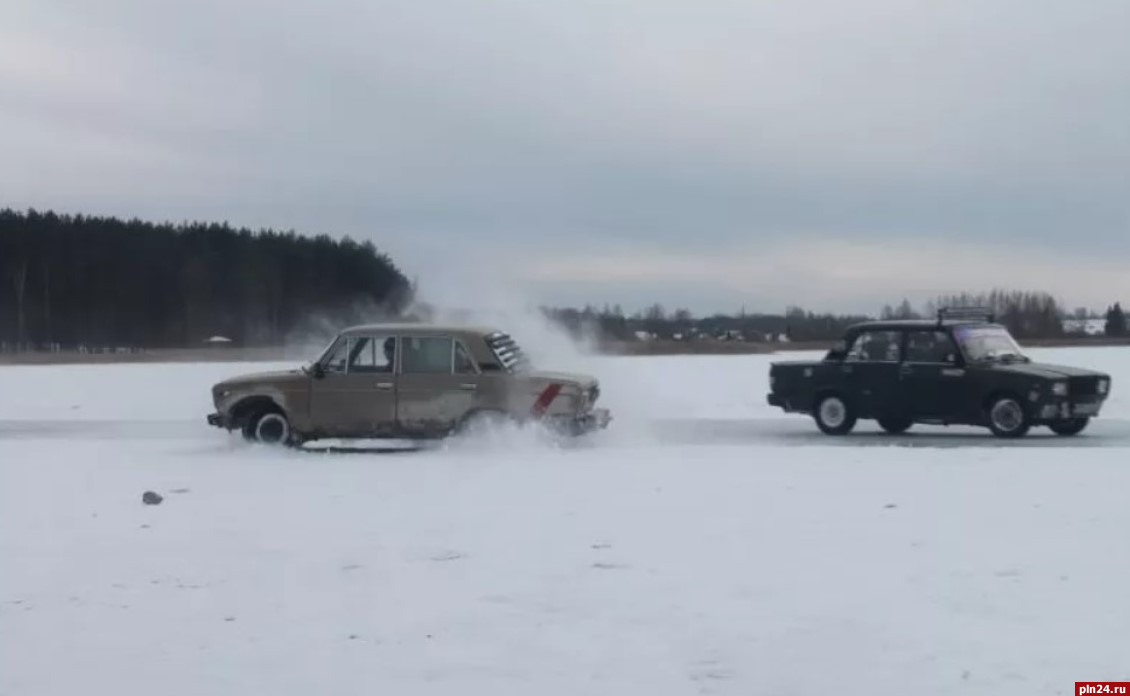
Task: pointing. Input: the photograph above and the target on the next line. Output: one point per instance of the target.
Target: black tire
(895, 425)
(269, 427)
(1007, 417)
(834, 415)
(1069, 427)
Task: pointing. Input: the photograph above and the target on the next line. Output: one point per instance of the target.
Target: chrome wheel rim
(272, 429)
(832, 412)
(1007, 415)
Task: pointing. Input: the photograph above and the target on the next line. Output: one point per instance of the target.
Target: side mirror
(317, 371)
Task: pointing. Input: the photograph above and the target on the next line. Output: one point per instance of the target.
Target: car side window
(464, 365)
(429, 355)
(875, 346)
(930, 347)
(372, 354)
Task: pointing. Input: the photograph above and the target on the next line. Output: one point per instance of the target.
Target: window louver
(507, 351)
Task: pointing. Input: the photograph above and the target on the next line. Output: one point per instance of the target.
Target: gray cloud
(551, 133)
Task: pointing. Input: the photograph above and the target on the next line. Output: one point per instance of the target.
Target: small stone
(151, 498)
(890, 506)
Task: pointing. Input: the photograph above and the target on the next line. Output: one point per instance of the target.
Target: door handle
(384, 385)
(468, 386)
(905, 370)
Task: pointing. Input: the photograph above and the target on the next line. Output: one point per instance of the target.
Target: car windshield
(321, 355)
(988, 343)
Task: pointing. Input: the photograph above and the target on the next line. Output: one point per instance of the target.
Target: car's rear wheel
(269, 427)
(1007, 417)
(834, 415)
(1069, 427)
(895, 425)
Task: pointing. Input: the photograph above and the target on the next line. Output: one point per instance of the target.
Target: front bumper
(1067, 409)
(217, 420)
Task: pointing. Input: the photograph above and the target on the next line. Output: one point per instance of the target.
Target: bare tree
(19, 282)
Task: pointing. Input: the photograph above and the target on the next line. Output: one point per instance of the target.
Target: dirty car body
(407, 381)
(962, 369)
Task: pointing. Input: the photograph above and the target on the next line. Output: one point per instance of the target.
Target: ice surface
(630, 564)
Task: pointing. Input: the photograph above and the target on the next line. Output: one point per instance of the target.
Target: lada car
(961, 369)
(406, 381)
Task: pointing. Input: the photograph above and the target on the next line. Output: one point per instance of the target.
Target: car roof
(924, 324)
(418, 328)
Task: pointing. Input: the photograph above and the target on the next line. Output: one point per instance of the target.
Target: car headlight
(1059, 388)
(1104, 386)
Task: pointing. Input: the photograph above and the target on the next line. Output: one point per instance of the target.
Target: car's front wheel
(1069, 427)
(1007, 417)
(834, 415)
(268, 428)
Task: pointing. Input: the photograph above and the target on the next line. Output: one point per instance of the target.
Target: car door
(355, 392)
(871, 373)
(437, 385)
(931, 376)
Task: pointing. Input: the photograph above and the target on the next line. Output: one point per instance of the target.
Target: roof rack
(982, 313)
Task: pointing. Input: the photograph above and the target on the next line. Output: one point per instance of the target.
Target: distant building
(1086, 327)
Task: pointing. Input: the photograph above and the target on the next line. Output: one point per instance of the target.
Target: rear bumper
(596, 419)
(590, 421)
(784, 403)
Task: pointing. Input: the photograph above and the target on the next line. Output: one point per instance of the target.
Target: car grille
(1084, 386)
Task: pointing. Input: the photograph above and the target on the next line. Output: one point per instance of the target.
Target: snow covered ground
(706, 544)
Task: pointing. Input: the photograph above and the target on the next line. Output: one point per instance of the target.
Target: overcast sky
(701, 154)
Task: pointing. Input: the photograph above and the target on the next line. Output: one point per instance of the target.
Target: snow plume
(308, 339)
(548, 345)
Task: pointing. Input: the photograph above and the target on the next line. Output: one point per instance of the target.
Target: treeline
(69, 281)
(1028, 315)
(656, 323)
